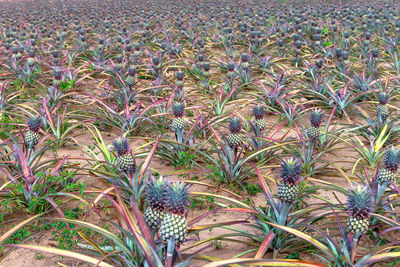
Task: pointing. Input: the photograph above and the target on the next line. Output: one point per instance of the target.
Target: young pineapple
(245, 61)
(259, 122)
(391, 165)
(360, 204)
(125, 160)
(130, 79)
(32, 135)
(57, 77)
(235, 138)
(31, 59)
(290, 174)
(382, 110)
(179, 79)
(179, 122)
(155, 197)
(231, 70)
(174, 223)
(314, 131)
(120, 65)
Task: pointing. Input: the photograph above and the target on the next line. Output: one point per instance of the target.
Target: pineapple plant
(360, 204)
(32, 135)
(178, 123)
(174, 223)
(259, 121)
(289, 186)
(125, 160)
(235, 138)
(155, 196)
(314, 131)
(382, 110)
(391, 165)
(130, 79)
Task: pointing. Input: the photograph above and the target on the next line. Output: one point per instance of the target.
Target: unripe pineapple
(290, 174)
(130, 79)
(259, 122)
(391, 165)
(155, 197)
(125, 159)
(179, 79)
(57, 77)
(138, 52)
(179, 122)
(231, 70)
(314, 131)
(206, 69)
(235, 138)
(174, 223)
(360, 204)
(382, 110)
(32, 135)
(120, 65)
(245, 61)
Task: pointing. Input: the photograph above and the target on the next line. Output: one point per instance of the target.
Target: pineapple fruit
(391, 165)
(179, 79)
(231, 71)
(289, 186)
(155, 196)
(259, 121)
(57, 77)
(119, 66)
(130, 79)
(125, 159)
(178, 122)
(174, 223)
(235, 138)
(314, 131)
(382, 110)
(245, 62)
(360, 204)
(32, 135)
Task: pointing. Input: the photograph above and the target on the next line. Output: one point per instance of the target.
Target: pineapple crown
(121, 146)
(132, 70)
(57, 73)
(177, 199)
(231, 66)
(244, 58)
(383, 98)
(316, 117)
(360, 202)
(235, 125)
(290, 171)
(392, 159)
(34, 123)
(206, 66)
(155, 61)
(178, 109)
(155, 193)
(118, 59)
(258, 112)
(180, 75)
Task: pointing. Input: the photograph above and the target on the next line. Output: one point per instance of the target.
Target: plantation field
(199, 133)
